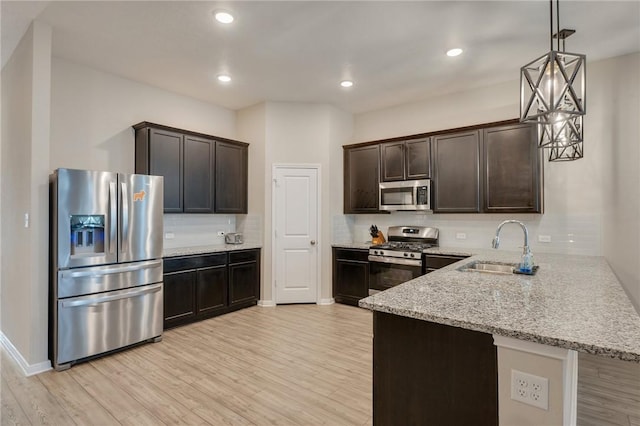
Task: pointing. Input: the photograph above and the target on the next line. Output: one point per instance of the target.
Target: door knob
(313, 242)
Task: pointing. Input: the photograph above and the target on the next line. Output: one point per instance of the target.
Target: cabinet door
(418, 159)
(211, 292)
(165, 159)
(512, 172)
(231, 178)
(179, 297)
(243, 283)
(351, 281)
(198, 175)
(456, 183)
(361, 179)
(392, 164)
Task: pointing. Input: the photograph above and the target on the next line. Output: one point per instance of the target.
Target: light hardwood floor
(289, 365)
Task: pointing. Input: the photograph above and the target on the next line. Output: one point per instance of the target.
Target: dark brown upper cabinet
(456, 177)
(231, 177)
(361, 179)
(159, 152)
(198, 174)
(202, 173)
(405, 160)
(512, 175)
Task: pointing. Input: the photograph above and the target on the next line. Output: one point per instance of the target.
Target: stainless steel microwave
(405, 195)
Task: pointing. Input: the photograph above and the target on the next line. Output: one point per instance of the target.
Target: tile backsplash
(196, 229)
(188, 230)
(569, 233)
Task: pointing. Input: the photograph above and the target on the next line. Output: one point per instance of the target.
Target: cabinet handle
(313, 242)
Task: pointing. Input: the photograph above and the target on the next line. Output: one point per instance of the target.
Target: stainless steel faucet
(527, 258)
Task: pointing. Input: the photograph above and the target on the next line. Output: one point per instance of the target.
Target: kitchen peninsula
(573, 302)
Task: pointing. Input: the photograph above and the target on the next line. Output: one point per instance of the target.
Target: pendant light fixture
(553, 94)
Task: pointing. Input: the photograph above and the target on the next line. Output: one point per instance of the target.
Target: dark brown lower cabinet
(211, 290)
(432, 374)
(350, 275)
(244, 277)
(432, 262)
(202, 286)
(179, 297)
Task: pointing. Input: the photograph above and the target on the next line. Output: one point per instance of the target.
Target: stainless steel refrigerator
(106, 263)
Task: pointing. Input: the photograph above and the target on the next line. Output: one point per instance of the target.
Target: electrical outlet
(530, 389)
(169, 236)
(461, 236)
(544, 238)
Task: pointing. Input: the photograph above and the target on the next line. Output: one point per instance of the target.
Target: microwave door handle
(113, 219)
(124, 230)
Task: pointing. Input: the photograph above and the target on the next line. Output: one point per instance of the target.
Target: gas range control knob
(405, 255)
(412, 255)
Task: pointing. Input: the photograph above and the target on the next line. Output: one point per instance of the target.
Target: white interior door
(296, 234)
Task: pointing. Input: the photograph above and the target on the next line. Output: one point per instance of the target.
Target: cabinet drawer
(438, 261)
(244, 256)
(172, 264)
(352, 254)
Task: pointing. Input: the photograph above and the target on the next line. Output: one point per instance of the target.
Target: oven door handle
(395, 260)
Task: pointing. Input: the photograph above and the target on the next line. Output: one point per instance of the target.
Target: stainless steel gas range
(400, 259)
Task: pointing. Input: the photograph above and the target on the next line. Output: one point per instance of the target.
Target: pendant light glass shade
(553, 86)
(566, 153)
(561, 129)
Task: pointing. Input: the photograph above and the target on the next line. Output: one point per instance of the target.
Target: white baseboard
(266, 303)
(27, 369)
(329, 301)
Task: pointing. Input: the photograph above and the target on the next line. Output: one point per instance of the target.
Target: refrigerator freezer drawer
(91, 325)
(98, 279)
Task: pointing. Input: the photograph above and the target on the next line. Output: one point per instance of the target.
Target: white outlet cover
(544, 238)
(530, 389)
(169, 235)
(461, 236)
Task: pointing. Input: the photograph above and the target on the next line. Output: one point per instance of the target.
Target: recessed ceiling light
(224, 78)
(346, 83)
(454, 52)
(223, 17)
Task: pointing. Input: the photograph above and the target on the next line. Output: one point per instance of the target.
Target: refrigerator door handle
(124, 237)
(96, 301)
(113, 220)
(102, 272)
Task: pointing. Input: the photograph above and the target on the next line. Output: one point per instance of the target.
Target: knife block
(378, 239)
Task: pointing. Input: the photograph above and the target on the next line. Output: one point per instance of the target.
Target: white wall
(618, 99)
(24, 169)
(591, 205)
(295, 133)
(93, 111)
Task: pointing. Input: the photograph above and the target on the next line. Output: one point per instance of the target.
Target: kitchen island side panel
(428, 373)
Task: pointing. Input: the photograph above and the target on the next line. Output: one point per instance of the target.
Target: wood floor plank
(39, 406)
(290, 365)
(80, 406)
(608, 391)
(10, 411)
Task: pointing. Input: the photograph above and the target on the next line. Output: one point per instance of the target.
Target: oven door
(385, 272)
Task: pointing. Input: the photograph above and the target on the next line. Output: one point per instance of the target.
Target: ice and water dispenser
(87, 235)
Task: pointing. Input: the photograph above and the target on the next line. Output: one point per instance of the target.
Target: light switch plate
(544, 238)
(169, 235)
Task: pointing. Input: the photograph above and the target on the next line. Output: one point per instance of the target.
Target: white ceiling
(298, 51)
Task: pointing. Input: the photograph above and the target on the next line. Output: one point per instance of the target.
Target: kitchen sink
(489, 267)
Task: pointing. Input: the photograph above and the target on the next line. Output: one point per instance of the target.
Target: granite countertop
(362, 245)
(185, 251)
(573, 302)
